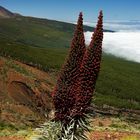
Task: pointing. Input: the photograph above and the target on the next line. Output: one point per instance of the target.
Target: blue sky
(67, 10)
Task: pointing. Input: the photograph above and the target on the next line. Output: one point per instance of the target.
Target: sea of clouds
(124, 43)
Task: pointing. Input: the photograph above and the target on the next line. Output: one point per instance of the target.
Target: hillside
(24, 91)
(22, 85)
(4, 13)
(44, 44)
(37, 37)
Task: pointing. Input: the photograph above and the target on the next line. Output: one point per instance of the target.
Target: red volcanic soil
(12, 138)
(97, 135)
(25, 88)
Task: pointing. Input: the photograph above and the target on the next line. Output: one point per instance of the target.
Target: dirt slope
(4, 13)
(24, 93)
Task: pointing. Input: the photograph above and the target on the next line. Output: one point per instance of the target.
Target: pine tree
(62, 97)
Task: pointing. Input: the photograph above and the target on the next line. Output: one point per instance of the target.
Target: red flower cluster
(76, 83)
(63, 99)
(89, 71)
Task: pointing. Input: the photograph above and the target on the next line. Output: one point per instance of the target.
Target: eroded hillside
(24, 93)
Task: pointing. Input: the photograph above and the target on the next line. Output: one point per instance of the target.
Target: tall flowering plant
(63, 99)
(89, 70)
(76, 82)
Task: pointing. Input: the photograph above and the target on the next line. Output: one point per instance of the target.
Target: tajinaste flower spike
(62, 97)
(89, 71)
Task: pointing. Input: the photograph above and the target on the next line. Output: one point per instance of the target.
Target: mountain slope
(30, 37)
(4, 13)
(24, 93)
(44, 44)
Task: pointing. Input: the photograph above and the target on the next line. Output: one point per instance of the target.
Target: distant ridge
(4, 13)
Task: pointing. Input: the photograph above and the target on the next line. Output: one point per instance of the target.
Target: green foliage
(49, 131)
(43, 58)
(36, 42)
(36, 32)
(74, 130)
(118, 83)
(112, 100)
(52, 130)
(7, 129)
(4, 125)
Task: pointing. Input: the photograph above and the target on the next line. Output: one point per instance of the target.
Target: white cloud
(118, 25)
(121, 44)
(122, 26)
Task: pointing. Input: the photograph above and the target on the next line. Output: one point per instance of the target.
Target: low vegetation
(118, 83)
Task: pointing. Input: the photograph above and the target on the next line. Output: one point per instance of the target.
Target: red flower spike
(63, 98)
(90, 67)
